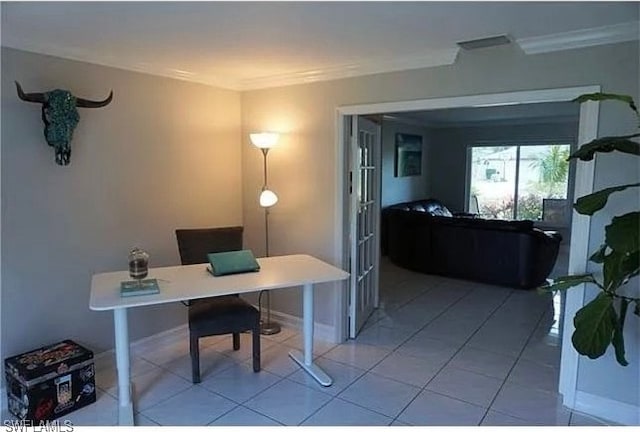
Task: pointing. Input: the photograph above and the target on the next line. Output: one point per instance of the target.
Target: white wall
(164, 154)
(402, 189)
(304, 173)
(615, 382)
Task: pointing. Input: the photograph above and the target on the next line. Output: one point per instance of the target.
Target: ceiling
(547, 112)
(244, 45)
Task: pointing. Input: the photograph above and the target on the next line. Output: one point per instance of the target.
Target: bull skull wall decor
(60, 117)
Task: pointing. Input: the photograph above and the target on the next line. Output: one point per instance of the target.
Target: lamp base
(269, 328)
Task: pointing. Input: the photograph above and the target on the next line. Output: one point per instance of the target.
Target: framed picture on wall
(408, 155)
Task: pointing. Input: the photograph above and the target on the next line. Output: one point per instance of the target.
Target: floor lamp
(264, 141)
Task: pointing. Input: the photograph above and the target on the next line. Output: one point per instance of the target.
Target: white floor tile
(537, 406)
(416, 371)
(341, 374)
(437, 351)
(319, 346)
(153, 387)
(580, 419)
(383, 395)
(483, 362)
(241, 416)
(383, 337)
(453, 329)
(500, 338)
(142, 420)
(288, 402)
(535, 375)
(225, 346)
(545, 350)
(194, 406)
(494, 418)
(106, 372)
(160, 352)
(430, 409)
(211, 363)
(240, 383)
(361, 356)
(342, 413)
(466, 386)
(277, 361)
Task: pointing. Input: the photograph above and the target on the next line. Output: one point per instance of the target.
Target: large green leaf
(607, 96)
(606, 145)
(589, 204)
(618, 268)
(618, 333)
(599, 255)
(565, 282)
(594, 326)
(623, 233)
(630, 266)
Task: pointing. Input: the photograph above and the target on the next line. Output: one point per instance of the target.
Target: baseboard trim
(144, 340)
(321, 331)
(608, 409)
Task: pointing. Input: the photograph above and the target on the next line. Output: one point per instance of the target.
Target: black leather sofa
(425, 236)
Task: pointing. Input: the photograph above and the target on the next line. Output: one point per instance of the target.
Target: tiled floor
(437, 352)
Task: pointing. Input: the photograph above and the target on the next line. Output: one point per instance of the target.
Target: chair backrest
(195, 244)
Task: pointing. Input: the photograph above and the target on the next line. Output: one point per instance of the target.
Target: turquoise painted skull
(60, 116)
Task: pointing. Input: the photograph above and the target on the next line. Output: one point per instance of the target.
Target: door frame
(580, 224)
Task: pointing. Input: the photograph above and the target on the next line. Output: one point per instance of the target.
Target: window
(520, 181)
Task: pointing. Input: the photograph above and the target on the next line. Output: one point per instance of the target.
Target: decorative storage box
(49, 382)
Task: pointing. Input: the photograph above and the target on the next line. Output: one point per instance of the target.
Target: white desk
(193, 282)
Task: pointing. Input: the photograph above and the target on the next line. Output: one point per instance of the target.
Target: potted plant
(600, 322)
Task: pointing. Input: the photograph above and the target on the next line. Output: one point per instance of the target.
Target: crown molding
(424, 60)
(616, 33)
(108, 61)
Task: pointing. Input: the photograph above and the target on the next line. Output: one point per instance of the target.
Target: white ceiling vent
(484, 42)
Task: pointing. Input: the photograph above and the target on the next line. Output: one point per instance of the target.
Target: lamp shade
(264, 139)
(268, 198)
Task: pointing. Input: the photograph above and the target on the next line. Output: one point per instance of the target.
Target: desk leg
(125, 406)
(306, 362)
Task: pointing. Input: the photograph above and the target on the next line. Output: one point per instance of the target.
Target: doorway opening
(582, 180)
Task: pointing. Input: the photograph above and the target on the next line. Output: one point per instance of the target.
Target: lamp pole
(267, 327)
(265, 151)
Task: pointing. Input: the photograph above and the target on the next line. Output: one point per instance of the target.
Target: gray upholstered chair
(216, 315)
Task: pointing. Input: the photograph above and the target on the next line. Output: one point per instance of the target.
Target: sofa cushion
(490, 224)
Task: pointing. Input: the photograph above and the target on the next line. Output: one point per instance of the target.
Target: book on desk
(141, 287)
(227, 263)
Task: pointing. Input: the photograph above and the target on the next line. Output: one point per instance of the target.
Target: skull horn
(30, 97)
(85, 103)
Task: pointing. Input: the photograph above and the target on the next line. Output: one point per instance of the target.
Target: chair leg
(236, 341)
(256, 347)
(194, 351)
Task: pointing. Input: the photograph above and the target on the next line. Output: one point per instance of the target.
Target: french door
(364, 221)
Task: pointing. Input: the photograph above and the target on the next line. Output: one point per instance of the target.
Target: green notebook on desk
(136, 288)
(226, 263)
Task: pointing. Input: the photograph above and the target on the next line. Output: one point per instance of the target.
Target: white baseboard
(608, 409)
(322, 332)
(163, 334)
